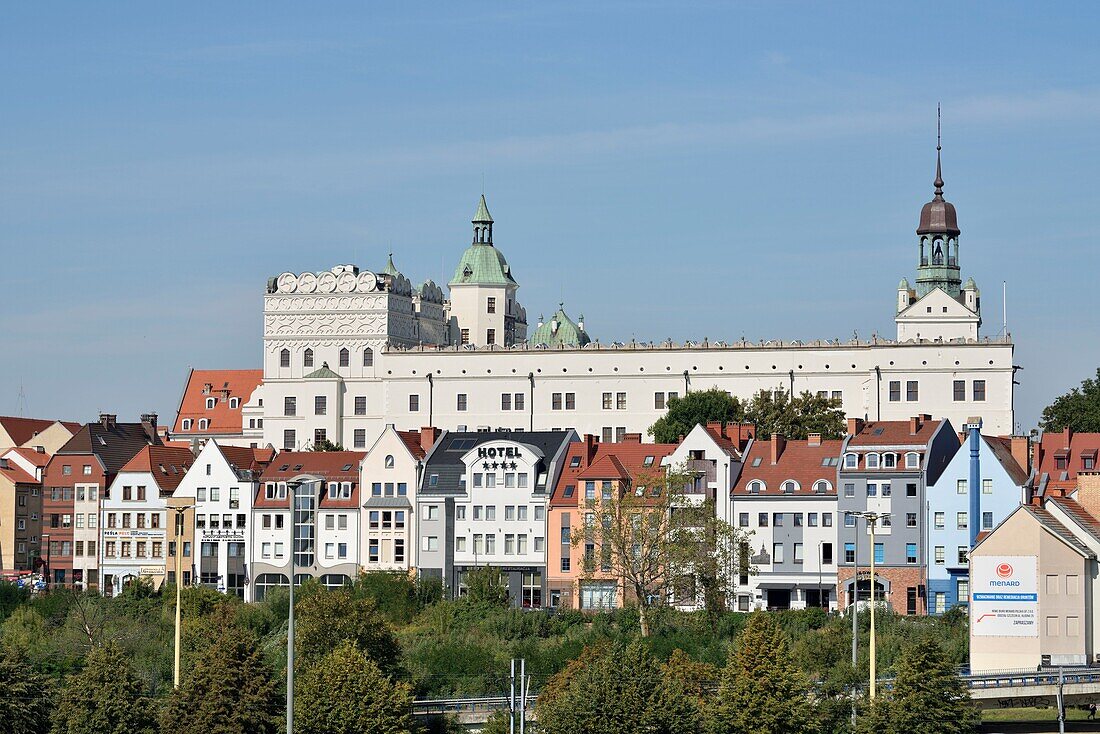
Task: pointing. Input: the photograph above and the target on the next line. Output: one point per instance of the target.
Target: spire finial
(938, 183)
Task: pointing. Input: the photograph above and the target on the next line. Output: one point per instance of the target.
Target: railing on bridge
(473, 705)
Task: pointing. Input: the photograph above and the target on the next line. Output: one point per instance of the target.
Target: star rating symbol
(485, 465)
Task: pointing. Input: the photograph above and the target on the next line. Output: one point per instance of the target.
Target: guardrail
(473, 705)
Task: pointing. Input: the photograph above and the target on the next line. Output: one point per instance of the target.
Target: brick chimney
(717, 427)
(778, 443)
(1088, 492)
(814, 439)
(107, 420)
(914, 425)
(428, 436)
(591, 443)
(855, 425)
(1021, 451)
(631, 438)
(149, 423)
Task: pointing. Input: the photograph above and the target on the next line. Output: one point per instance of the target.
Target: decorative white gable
(938, 316)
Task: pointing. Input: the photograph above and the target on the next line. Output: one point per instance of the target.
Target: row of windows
(67, 470)
(962, 520)
(777, 519)
(779, 554)
(514, 544)
(140, 548)
(880, 553)
(489, 512)
(490, 335)
(886, 460)
(511, 479)
(789, 486)
(344, 357)
(958, 390)
(378, 550)
(81, 492)
(187, 423)
(217, 522)
(215, 494)
(212, 403)
(874, 490)
(139, 519)
(65, 520)
(383, 520)
(962, 555)
(961, 486)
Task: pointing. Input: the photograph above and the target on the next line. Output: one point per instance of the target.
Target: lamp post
(180, 511)
(872, 519)
(292, 488)
(49, 570)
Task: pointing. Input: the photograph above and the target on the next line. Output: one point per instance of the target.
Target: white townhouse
(134, 526)
(483, 502)
(323, 532)
(221, 484)
(391, 476)
(712, 452)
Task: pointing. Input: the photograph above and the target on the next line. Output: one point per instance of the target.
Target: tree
(928, 696)
(1078, 409)
(325, 618)
(104, 698)
(774, 412)
(650, 536)
(484, 585)
(761, 689)
(622, 689)
(714, 556)
(229, 691)
(346, 693)
(694, 677)
(702, 406)
(326, 445)
(26, 697)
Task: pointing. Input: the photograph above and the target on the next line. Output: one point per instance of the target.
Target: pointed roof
(481, 216)
(938, 216)
(166, 464)
(322, 373)
(567, 334)
(390, 268)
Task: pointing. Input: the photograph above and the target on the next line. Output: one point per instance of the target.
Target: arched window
(210, 403)
(234, 403)
(267, 581)
(789, 487)
(284, 358)
(185, 425)
(389, 461)
(889, 461)
(368, 357)
(912, 460)
(872, 461)
(307, 358)
(851, 461)
(345, 357)
(821, 486)
(756, 486)
(203, 424)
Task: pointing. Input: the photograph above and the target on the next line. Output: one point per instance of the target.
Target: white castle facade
(348, 351)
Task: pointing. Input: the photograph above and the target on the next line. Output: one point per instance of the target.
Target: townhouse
(134, 521)
(51, 435)
(324, 530)
(391, 476)
(713, 452)
(21, 471)
(580, 574)
(785, 500)
(219, 488)
(885, 468)
(72, 483)
(983, 483)
(221, 404)
(482, 502)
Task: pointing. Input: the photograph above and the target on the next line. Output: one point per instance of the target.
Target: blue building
(980, 487)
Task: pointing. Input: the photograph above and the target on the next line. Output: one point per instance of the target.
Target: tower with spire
(940, 306)
(484, 309)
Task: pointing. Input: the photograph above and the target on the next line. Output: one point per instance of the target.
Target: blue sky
(669, 169)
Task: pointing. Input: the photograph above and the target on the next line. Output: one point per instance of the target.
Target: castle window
(345, 357)
(490, 336)
(368, 357)
(464, 336)
(911, 392)
(462, 401)
(895, 391)
(414, 403)
(491, 306)
(959, 390)
(307, 358)
(284, 358)
(979, 390)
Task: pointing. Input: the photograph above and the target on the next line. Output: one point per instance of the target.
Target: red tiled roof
(1073, 447)
(224, 384)
(1001, 447)
(244, 458)
(623, 461)
(38, 458)
(22, 430)
(332, 466)
(17, 475)
(894, 433)
(798, 460)
(166, 464)
(411, 439)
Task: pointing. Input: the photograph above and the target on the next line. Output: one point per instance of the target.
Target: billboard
(1004, 596)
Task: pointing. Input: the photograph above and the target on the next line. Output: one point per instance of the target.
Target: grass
(1033, 714)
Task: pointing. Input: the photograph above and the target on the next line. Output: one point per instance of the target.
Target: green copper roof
(904, 284)
(482, 214)
(568, 334)
(390, 268)
(970, 284)
(483, 264)
(322, 373)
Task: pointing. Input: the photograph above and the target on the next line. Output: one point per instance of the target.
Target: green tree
(345, 693)
(12, 596)
(26, 697)
(762, 690)
(325, 618)
(326, 445)
(485, 585)
(702, 406)
(1078, 409)
(622, 689)
(229, 691)
(928, 696)
(775, 412)
(104, 698)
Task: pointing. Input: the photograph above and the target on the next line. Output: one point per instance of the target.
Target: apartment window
(743, 520)
(431, 512)
(880, 553)
(849, 552)
(959, 389)
(895, 391)
(912, 394)
(939, 555)
(889, 461)
(777, 519)
(849, 489)
(290, 405)
(506, 401)
(960, 520)
(964, 553)
(186, 425)
(570, 401)
(464, 336)
(555, 401)
(987, 521)
(320, 405)
(872, 461)
(798, 553)
(849, 520)
(414, 403)
(490, 336)
(284, 358)
(962, 591)
(606, 401)
(491, 306)
(762, 520)
(345, 357)
(872, 489)
(941, 602)
(912, 461)
(288, 439)
(979, 390)
(399, 550)
(851, 461)
(462, 402)
(620, 401)
(360, 440)
(777, 553)
(987, 485)
(910, 552)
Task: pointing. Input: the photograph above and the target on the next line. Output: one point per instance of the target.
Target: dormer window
(851, 461)
(789, 487)
(234, 403)
(204, 424)
(574, 462)
(872, 461)
(889, 461)
(756, 486)
(210, 403)
(185, 425)
(821, 486)
(912, 460)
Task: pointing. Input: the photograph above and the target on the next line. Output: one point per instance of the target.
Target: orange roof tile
(22, 430)
(798, 460)
(224, 385)
(624, 461)
(38, 458)
(167, 465)
(894, 433)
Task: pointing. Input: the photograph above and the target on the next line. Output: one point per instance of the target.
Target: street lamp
(292, 488)
(872, 519)
(180, 512)
(49, 569)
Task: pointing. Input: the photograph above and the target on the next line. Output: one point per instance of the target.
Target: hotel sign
(210, 536)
